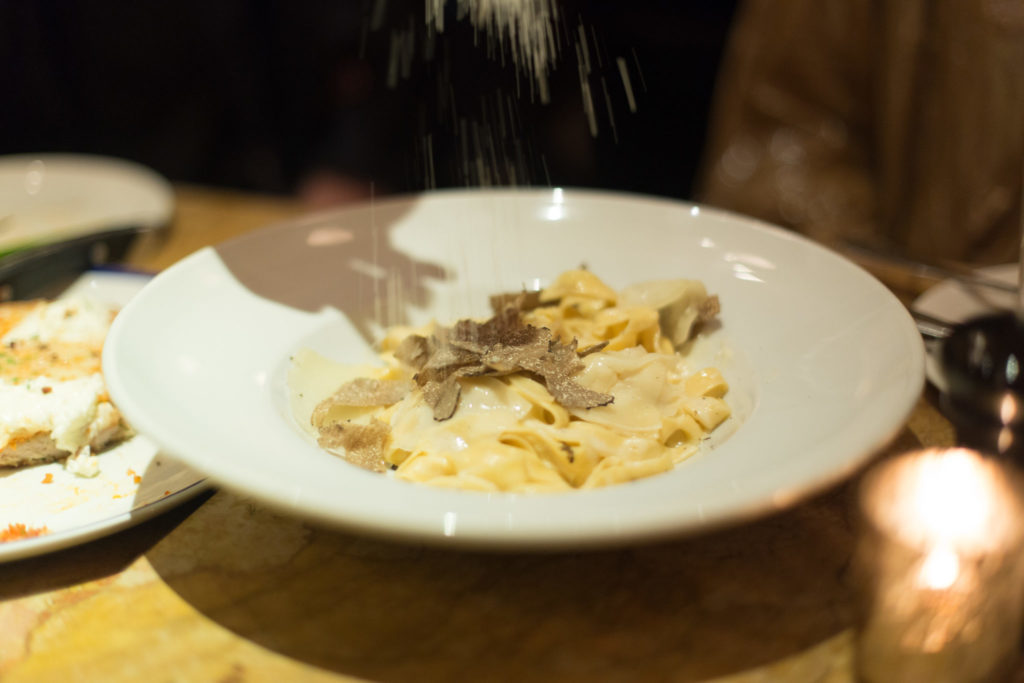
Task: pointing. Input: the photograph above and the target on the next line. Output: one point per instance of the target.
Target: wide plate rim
(524, 538)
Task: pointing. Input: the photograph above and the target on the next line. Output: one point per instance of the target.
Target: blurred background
(308, 96)
(897, 125)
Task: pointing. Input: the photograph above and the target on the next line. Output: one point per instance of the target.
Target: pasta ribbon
(508, 433)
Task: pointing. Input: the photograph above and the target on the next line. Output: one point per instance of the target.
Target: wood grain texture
(224, 589)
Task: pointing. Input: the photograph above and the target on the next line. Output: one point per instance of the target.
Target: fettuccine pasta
(580, 387)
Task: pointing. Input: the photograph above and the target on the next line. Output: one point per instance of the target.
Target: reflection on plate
(48, 197)
(825, 359)
(134, 483)
(956, 302)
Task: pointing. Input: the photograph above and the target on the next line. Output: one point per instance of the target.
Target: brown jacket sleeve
(896, 122)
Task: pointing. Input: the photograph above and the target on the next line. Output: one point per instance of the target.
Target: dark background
(259, 95)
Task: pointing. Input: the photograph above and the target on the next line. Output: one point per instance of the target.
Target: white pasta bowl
(824, 363)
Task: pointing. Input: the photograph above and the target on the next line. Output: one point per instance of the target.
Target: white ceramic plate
(826, 362)
(49, 197)
(956, 302)
(134, 484)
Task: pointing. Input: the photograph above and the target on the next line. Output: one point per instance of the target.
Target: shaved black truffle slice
(501, 345)
(523, 301)
(366, 391)
(362, 445)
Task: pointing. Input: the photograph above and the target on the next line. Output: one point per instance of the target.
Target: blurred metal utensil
(930, 327)
(865, 254)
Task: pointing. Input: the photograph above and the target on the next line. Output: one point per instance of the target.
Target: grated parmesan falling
(526, 28)
(483, 143)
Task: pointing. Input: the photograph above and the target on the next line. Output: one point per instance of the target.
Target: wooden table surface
(225, 589)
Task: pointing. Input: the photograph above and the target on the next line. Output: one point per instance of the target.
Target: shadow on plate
(343, 258)
(59, 509)
(699, 607)
(92, 560)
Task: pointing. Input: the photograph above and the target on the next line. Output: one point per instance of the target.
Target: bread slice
(53, 404)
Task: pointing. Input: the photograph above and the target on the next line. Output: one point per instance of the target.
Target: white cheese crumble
(83, 463)
(76, 320)
(64, 409)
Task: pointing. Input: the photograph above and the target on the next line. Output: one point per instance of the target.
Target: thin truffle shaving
(708, 309)
(501, 345)
(367, 391)
(363, 444)
(576, 386)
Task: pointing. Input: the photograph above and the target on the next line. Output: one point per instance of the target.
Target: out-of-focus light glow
(326, 237)
(751, 260)
(1008, 408)
(1012, 369)
(743, 272)
(952, 497)
(556, 211)
(35, 176)
(945, 564)
(940, 568)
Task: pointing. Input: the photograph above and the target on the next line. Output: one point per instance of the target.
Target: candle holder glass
(940, 570)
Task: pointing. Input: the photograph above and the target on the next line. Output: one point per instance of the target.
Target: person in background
(296, 97)
(899, 124)
(453, 91)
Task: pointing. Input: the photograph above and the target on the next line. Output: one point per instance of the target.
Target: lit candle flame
(946, 578)
(940, 569)
(952, 497)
